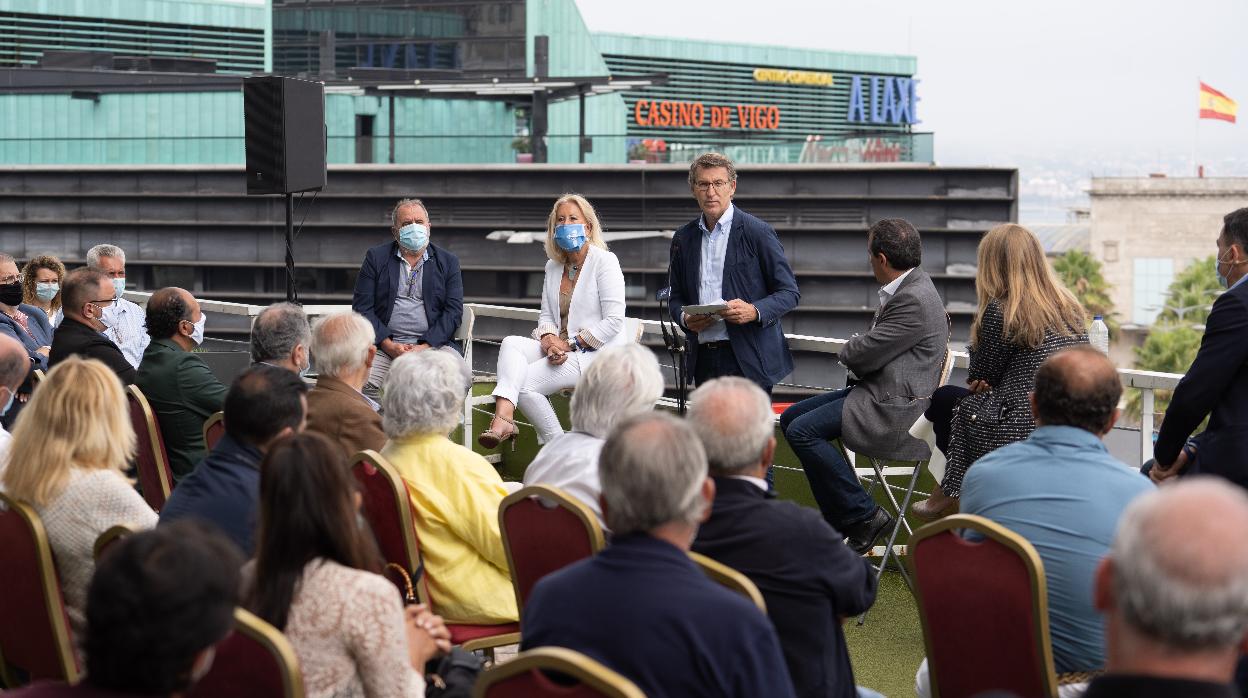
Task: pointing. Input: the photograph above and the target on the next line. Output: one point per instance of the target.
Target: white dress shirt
(888, 290)
(129, 331)
(711, 272)
(570, 462)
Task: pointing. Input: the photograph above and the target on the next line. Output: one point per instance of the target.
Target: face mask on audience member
(9, 402)
(106, 314)
(570, 237)
(414, 236)
(119, 286)
(197, 335)
(303, 370)
(47, 290)
(1217, 268)
(11, 294)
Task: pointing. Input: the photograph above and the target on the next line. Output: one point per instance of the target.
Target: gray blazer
(898, 362)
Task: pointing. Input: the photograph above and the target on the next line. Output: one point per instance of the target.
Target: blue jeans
(809, 426)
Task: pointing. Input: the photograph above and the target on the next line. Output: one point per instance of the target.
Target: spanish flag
(1215, 105)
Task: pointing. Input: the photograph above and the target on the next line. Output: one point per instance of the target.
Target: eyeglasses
(719, 185)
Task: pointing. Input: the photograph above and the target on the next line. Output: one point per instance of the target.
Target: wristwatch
(576, 344)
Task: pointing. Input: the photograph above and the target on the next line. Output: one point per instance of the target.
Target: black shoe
(861, 536)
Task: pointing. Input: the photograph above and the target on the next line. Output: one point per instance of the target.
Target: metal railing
(1147, 382)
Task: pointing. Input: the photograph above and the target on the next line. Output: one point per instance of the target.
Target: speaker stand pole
(290, 248)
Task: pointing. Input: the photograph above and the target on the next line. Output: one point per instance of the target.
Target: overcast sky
(1008, 79)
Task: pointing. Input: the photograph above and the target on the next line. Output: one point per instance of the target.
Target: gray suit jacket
(899, 364)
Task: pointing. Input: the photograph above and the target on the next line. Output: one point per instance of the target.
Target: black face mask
(11, 294)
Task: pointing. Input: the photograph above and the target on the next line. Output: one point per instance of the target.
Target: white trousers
(526, 377)
(381, 368)
(923, 685)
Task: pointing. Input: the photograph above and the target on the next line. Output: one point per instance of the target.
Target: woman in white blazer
(582, 311)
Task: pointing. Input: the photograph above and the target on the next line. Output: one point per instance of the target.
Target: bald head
(1077, 387)
(735, 422)
(1180, 565)
(14, 363)
(167, 309)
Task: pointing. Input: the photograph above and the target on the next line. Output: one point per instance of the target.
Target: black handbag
(450, 676)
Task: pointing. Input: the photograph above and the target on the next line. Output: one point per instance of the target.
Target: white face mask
(197, 335)
(119, 286)
(107, 314)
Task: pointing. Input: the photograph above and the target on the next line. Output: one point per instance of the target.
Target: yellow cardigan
(455, 495)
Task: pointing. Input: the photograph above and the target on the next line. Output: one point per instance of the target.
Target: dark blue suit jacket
(1216, 383)
(809, 578)
(757, 272)
(39, 327)
(224, 490)
(642, 608)
(443, 291)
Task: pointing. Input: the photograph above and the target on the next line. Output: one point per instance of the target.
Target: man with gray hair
(624, 381)
(1174, 592)
(642, 607)
(281, 337)
(14, 367)
(125, 323)
(343, 346)
(813, 579)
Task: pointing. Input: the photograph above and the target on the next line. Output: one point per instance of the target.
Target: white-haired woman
(582, 311)
(455, 492)
(624, 382)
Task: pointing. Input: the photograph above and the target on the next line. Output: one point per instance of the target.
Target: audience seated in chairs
(1025, 316)
(66, 460)
(624, 381)
(158, 604)
(264, 403)
(41, 285)
(809, 578)
(315, 577)
(1062, 491)
(90, 302)
(641, 606)
(181, 389)
(454, 492)
(125, 320)
(14, 368)
(27, 324)
(281, 337)
(1174, 591)
(343, 347)
(898, 365)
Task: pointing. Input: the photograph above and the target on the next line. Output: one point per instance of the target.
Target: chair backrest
(253, 661)
(151, 460)
(388, 510)
(581, 677)
(730, 578)
(544, 529)
(214, 429)
(40, 376)
(34, 635)
(984, 608)
(108, 537)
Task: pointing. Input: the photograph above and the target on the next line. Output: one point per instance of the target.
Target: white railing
(1145, 381)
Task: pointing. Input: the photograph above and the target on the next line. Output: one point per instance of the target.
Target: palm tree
(1081, 273)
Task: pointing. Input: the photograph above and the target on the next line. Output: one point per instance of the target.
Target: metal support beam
(391, 129)
(580, 141)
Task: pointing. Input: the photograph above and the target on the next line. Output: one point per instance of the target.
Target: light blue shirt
(1062, 491)
(129, 331)
(408, 319)
(711, 272)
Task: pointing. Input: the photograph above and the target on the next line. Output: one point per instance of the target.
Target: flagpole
(1196, 131)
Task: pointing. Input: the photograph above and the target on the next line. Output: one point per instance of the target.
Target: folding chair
(35, 635)
(107, 538)
(525, 676)
(726, 576)
(214, 429)
(984, 609)
(545, 529)
(254, 661)
(151, 461)
(388, 510)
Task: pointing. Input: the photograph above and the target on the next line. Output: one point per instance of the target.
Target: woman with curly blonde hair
(1025, 316)
(41, 285)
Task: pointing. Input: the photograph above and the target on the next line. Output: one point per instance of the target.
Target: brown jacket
(341, 413)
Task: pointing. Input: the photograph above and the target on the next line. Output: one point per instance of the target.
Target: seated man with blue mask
(411, 291)
(125, 321)
(181, 389)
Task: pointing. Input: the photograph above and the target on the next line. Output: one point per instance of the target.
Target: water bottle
(1098, 335)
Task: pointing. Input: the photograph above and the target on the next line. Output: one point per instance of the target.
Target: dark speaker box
(284, 120)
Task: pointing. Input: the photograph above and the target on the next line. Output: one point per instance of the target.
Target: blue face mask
(1217, 269)
(47, 290)
(8, 404)
(570, 237)
(414, 236)
(119, 285)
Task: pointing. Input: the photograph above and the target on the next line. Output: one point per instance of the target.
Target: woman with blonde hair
(1025, 316)
(41, 285)
(69, 449)
(582, 311)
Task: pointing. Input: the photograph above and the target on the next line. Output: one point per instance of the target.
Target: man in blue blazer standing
(411, 291)
(1216, 385)
(729, 258)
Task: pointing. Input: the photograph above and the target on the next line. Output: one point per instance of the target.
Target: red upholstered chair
(108, 537)
(254, 661)
(580, 677)
(984, 608)
(34, 633)
(544, 529)
(151, 461)
(388, 510)
(214, 429)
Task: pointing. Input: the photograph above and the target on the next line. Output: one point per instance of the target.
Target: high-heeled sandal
(491, 439)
